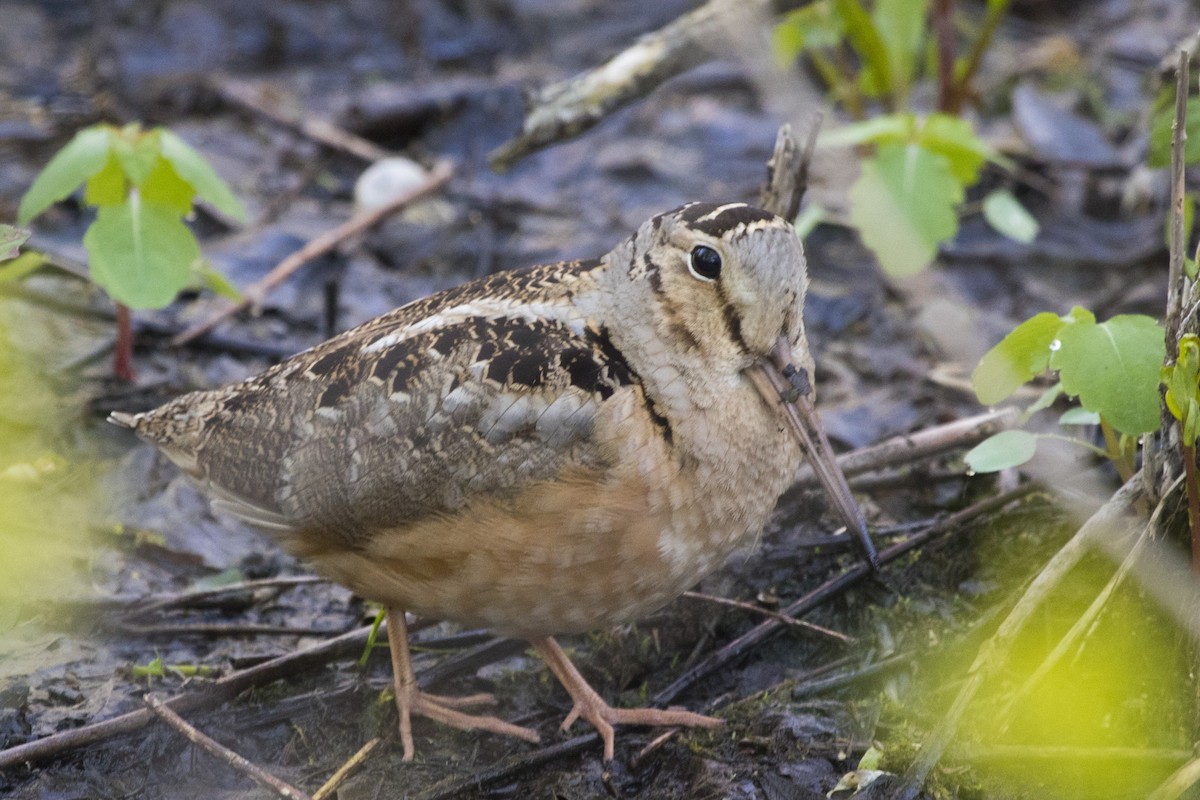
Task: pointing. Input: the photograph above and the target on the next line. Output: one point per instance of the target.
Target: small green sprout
(142, 184)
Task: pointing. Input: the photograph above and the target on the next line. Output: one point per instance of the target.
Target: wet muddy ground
(444, 81)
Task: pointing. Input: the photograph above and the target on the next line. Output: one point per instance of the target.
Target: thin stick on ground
(354, 762)
(243, 96)
(217, 692)
(238, 762)
(994, 653)
(359, 223)
(915, 446)
(193, 596)
(775, 615)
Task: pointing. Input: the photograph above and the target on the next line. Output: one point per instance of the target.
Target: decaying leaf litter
(887, 366)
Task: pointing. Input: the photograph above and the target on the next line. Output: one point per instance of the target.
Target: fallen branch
(360, 222)
(914, 446)
(566, 109)
(216, 692)
(242, 95)
(994, 653)
(238, 762)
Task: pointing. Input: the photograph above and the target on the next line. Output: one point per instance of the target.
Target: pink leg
(411, 700)
(591, 707)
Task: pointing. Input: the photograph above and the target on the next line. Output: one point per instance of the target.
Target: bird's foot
(591, 707)
(411, 700)
(603, 717)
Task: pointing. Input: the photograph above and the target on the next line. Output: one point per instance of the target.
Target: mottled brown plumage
(544, 451)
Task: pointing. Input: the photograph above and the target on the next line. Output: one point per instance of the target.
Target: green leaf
(809, 218)
(889, 128)
(164, 187)
(139, 253)
(11, 239)
(903, 205)
(1044, 401)
(215, 282)
(80, 159)
(1114, 369)
(812, 26)
(109, 186)
(954, 138)
(19, 267)
(192, 167)
(1079, 416)
(871, 760)
(137, 152)
(901, 25)
(1021, 355)
(1159, 154)
(1182, 379)
(1004, 212)
(1003, 450)
(865, 38)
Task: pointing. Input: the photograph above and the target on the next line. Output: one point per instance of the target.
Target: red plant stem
(123, 357)
(948, 100)
(962, 86)
(1193, 490)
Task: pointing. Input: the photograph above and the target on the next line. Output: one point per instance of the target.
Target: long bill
(789, 389)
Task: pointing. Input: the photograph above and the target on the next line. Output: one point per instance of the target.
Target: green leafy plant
(11, 239)
(913, 182)
(142, 184)
(1182, 396)
(1112, 368)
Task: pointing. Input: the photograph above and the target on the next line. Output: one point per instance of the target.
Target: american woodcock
(544, 451)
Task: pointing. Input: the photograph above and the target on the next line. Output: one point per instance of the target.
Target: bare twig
(238, 762)
(766, 612)
(216, 692)
(355, 761)
(1179, 781)
(241, 95)
(1177, 254)
(943, 25)
(564, 110)
(993, 655)
(817, 686)
(220, 629)
(194, 596)
(322, 244)
(922, 444)
(654, 744)
(508, 768)
(962, 86)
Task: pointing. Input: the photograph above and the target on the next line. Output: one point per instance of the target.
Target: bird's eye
(704, 263)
